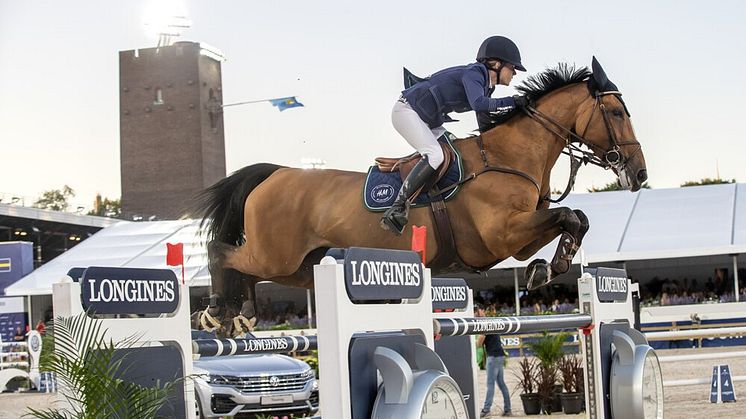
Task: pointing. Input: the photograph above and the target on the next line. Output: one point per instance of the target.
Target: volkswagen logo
(274, 381)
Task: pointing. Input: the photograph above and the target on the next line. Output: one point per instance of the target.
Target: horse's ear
(601, 80)
(599, 75)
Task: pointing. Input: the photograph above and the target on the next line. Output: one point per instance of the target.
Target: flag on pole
(175, 257)
(283, 103)
(419, 241)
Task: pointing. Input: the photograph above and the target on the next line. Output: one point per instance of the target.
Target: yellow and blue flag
(283, 103)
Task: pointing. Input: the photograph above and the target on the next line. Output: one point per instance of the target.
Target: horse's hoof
(208, 322)
(538, 274)
(564, 254)
(242, 325)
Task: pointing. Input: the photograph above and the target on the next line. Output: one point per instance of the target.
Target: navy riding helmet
(500, 48)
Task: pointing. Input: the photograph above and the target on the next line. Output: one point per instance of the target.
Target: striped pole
(444, 327)
(509, 325)
(278, 345)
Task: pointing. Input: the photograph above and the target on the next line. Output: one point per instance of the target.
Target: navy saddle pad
(381, 188)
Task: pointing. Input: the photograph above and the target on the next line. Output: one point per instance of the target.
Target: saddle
(405, 164)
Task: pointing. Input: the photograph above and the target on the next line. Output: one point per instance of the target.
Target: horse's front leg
(540, 228)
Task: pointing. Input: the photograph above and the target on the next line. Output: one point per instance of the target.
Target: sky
(678, 64)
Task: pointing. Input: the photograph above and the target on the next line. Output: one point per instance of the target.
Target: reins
(612, 156)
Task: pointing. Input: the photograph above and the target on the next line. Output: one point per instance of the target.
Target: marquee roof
(650, 224)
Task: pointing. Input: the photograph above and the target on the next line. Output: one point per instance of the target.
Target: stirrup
(239, 322)
(209, 323)
(389, 224)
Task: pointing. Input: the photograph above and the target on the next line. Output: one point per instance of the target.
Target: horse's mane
(551, 79)
(541, 84)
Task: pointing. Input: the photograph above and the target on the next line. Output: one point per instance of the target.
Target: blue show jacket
(455, 89)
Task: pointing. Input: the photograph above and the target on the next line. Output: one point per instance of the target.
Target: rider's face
(507, 73)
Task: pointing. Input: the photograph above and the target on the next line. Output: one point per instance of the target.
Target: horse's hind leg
(232, 294)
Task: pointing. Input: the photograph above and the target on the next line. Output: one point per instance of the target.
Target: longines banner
(129, 290)
(450, 294)
(376, 274)
(611, 283)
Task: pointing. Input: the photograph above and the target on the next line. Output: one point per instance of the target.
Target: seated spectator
(20, 336)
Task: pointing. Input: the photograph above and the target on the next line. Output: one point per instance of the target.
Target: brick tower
(171, 128)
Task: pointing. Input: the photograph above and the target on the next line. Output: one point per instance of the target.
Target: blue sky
(679, 65)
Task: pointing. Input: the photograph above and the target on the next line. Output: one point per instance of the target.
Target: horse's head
(603, 122)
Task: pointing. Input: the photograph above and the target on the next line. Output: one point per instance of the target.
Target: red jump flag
(419, 241)
(175, 256)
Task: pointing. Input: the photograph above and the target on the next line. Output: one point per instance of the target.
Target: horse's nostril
(642, 175)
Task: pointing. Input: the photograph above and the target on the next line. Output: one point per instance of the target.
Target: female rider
(419, 113)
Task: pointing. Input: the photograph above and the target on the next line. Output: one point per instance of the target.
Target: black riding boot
(395, 218)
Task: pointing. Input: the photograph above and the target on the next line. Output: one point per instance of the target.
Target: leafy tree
(613, 186)
(55, 199)
(707, 181)
(105, 207)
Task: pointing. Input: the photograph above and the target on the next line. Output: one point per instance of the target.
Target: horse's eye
(618, 113)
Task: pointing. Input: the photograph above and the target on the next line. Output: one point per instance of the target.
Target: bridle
(612, 156)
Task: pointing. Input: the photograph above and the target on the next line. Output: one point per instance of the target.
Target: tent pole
(517, 297)
(32, 326)
(737, 292)
(308, 302)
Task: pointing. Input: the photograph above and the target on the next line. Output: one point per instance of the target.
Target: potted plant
(527, 380)
(572, 382)
(548, 349)
(545, 387)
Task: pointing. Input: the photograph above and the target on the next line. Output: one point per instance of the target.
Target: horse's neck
(526, 145)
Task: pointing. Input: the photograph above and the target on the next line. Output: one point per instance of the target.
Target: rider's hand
(521, 101)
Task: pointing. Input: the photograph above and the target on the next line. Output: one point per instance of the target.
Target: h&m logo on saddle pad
(382, 193)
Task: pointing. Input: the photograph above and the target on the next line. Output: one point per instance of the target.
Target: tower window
(158, 96)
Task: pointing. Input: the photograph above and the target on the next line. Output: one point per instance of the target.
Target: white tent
(650, 224)
(658, 224)
(125, 244)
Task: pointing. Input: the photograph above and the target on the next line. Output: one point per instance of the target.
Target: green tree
(105, 207)
(55, 199)
(613, 186)
(707, 181)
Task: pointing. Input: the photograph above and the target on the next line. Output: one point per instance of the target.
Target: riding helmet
(500, 48)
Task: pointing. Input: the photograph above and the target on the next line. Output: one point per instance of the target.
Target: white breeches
(417, 133)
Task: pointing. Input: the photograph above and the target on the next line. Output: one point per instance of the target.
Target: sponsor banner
(129, 290)
(611, 284)
(276, 345)
(16, 261)
(377, 274)
(449, 294)
(76, 274)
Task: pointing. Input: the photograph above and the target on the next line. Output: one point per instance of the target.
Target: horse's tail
(221, 205)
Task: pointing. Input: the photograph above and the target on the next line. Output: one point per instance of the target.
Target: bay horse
(268, 222)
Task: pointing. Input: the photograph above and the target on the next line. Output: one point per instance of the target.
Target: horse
(270, 222)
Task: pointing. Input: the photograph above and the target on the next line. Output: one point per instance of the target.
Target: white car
(255, 384)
